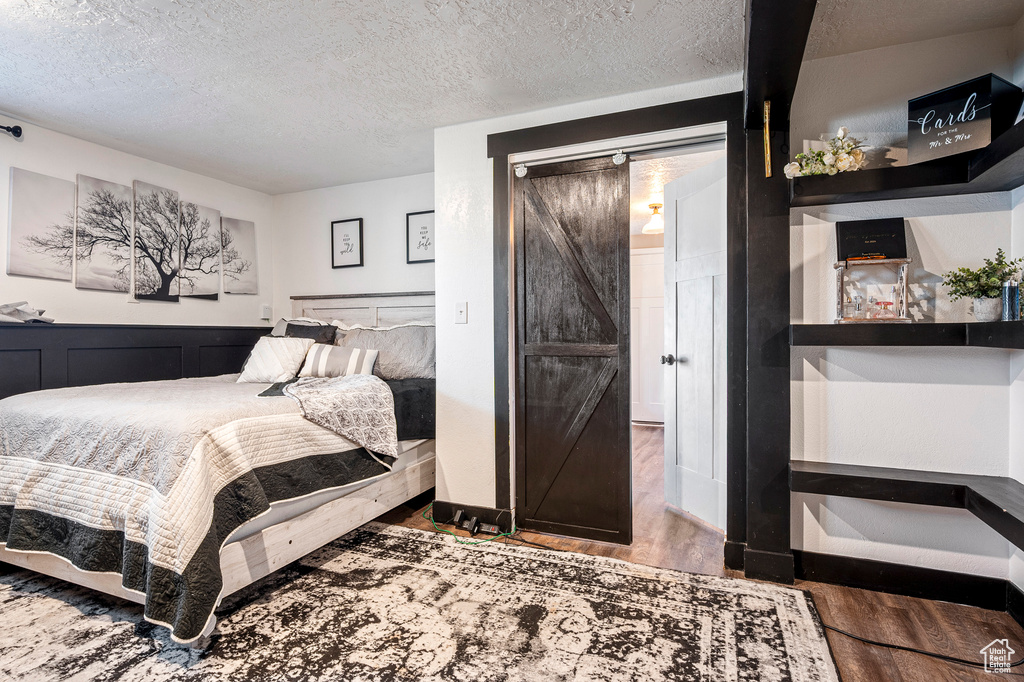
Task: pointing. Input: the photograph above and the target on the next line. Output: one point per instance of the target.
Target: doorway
(597, 136)
(589, 388)
(678, 205)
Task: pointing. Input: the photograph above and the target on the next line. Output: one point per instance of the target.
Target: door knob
(668, 359)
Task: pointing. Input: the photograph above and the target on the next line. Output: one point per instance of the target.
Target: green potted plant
(984, 285)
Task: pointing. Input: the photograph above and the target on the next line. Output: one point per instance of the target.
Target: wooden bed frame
(248, 559)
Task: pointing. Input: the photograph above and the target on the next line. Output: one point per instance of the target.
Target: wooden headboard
(375, 310)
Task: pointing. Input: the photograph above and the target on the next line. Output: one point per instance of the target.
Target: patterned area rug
(389, 603)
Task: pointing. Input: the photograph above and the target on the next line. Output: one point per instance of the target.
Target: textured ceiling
(844, 26)
(648, 177)
(295, 94)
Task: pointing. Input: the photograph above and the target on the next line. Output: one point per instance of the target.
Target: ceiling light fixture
(13, 130)
(657, 223)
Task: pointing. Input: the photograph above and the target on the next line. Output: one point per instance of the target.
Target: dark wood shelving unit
(969, 334)
(996, 500)
(999, 167)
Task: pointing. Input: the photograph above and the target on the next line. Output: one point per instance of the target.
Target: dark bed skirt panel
(186, 600)
(37, 356)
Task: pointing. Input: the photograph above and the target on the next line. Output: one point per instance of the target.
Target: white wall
(465, 364)
(302, 239)
(61, 156)
(868, 91)
(938, 409)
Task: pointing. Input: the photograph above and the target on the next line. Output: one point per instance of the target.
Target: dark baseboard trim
(1015, 602)
(774, 566)
(911, 581)
(734, 555)
(444, 512)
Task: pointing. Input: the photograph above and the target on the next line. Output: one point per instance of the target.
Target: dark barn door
(572, 437)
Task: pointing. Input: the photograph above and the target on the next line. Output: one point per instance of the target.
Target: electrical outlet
(461, 313)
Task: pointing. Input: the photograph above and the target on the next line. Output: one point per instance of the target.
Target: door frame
(728, 108)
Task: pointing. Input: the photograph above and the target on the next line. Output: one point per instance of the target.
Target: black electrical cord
(900, 647)
(518, 537)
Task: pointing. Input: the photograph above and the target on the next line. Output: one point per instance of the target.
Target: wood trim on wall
(776, 37)
(729, 108)
(911, 581)
(38, 356)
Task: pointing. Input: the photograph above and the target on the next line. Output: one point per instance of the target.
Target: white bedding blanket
(149, 459)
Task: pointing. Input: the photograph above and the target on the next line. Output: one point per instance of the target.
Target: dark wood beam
(776, 35)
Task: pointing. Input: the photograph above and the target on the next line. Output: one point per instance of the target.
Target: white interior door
(695, 338)
(647, 333)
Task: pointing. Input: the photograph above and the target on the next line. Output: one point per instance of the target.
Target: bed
(176, 494)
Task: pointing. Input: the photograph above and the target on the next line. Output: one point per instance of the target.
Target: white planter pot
(987, 309)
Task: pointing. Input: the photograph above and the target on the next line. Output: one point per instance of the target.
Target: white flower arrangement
(842, 154)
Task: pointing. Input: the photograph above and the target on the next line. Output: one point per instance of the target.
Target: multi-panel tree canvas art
(103, 236)
(157, 245)
(140, 240)
(239, 245)
(200, 251)
(42, 226)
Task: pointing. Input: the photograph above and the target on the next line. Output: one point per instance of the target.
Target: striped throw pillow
(334, 361)
(274, 359)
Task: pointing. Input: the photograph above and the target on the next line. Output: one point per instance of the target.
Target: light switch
(266, 312)
(461, 316)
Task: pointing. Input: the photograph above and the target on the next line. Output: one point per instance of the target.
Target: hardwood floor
(670, 538)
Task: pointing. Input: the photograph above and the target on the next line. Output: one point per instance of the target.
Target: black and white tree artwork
(239, 247)
(102, 239)
(42, 226)
(200, 251)
(157, 243)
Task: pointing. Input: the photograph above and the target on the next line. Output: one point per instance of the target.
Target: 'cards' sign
(961, 118)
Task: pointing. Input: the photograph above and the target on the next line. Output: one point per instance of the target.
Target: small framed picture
(419, 237)
(347, 243)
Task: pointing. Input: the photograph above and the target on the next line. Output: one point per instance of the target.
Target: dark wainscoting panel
(212, 359)
(38, 356)
(20, 371)
(88, 366)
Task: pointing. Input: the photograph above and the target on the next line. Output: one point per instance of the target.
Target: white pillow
(274, 359)
(333, 361)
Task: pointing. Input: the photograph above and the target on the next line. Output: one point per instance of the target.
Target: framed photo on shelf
(419, 237)
(347, 243)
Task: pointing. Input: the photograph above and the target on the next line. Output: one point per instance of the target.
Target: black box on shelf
(860, 240)
(961, 118)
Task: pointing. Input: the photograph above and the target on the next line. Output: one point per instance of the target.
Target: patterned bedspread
(148, 479)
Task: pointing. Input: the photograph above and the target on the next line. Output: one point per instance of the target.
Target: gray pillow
(281, 327)
(405, 352)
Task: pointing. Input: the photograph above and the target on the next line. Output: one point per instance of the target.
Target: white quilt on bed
(165, 447)
(149, 459)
